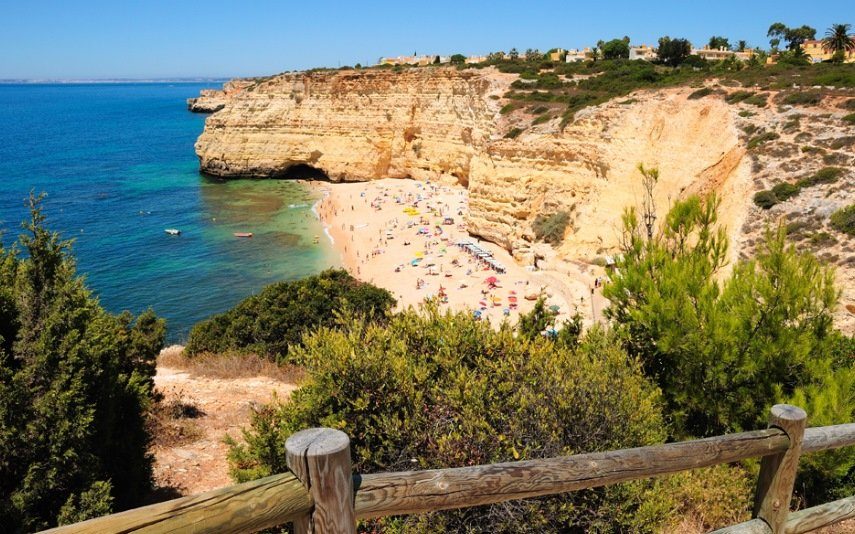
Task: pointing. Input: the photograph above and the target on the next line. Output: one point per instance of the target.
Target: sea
(117, 164)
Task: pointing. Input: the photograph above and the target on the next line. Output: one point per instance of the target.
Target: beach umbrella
(555, 307)
(491, 280)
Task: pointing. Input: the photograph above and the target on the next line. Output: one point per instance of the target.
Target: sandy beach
(403, 235)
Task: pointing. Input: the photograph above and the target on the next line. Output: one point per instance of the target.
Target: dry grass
(231, 365)
(171, 422)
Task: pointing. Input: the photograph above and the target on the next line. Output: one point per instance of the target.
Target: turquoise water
(118, 165)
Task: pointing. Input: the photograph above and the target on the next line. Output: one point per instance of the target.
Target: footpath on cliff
(200, 408)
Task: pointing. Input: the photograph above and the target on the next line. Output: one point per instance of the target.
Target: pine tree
(75, 384)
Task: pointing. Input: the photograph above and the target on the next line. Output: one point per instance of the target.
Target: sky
(92, 39)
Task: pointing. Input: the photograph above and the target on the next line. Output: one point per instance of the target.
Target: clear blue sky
(224, 38)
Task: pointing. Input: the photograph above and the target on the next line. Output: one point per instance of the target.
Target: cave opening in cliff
(303, 171)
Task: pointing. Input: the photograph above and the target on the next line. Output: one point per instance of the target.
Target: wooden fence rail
(321, 495)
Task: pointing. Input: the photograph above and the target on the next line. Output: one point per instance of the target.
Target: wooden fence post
(320, 458)
(778, 471)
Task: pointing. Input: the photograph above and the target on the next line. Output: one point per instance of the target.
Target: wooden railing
(321, 494)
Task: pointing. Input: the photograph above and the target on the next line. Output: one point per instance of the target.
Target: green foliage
(765, 199)
(458, 59)
(793, 36)
(722, 348)
(513, 133)
(546, 117)
(758, 99)
(843, 220)
(848, 104)
(784, 191)
(672, 52)
(758, 140)
(507, 108)
(272, 321)
(850, 119)
(551, 227)
(717, 42)
(615, 49)
(700, 93)
(737, 96)
(826, 175)
(75, 384)
(432, 390)
(803, 98)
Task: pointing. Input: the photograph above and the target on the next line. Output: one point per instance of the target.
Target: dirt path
(198, 463)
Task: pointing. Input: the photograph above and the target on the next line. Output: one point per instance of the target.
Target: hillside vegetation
(688, 354)
(75, 388)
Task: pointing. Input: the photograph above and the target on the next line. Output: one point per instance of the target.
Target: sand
(380, 227)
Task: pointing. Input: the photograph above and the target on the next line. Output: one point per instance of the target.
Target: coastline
(401, 234)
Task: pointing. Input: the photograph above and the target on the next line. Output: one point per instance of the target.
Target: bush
(432, 390)
(848, 104)
(765, 199)
(762, 138)
(758, 99)
(805, 98)
(785, 191)
(267, 324)
(737, 96)
(75, 385)
(850, 119)
(546, 117)
(507, 108)
(723, 349)
(550, 228)
(826, 175)
(843, 220)
(700, 93)
(513, 133)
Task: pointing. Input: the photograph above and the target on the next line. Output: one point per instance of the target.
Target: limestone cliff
(445, 124)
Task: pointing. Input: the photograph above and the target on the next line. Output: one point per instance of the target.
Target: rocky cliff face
(445, 124)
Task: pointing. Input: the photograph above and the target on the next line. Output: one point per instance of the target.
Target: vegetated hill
(541, 139)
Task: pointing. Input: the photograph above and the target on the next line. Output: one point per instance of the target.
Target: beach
(410, 238)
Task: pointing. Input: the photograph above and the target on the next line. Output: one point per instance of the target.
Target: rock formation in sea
(445, 124)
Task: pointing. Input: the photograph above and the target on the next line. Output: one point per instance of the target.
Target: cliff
(446, 124)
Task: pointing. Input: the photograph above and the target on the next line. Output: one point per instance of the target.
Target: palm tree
(838, 41)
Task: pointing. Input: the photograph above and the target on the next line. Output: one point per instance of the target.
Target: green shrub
(436, 390)
(746, 113)
(758, 99)
(765, 199)
(785, 191)
(546, 117)
(826, 175)
(848, 104)
(822, 239)
(507, 108)
(700, 93)
(737, 96)
(513, 133)
(762, 138)
(850, 119)
(75, 385)
(723, 349)
(842, 142)
(550, 228)
(804, 98)
(843, 220)
(270, 322)
(539, 109)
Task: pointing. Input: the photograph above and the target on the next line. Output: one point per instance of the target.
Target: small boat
(173, 231)
(243, 234)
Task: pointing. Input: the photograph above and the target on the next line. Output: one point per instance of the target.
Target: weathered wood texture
(778, 471)
(828, 437)
(821, 516)
(320, 457)
(421, 491)
(755, 526)
(247, 507)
